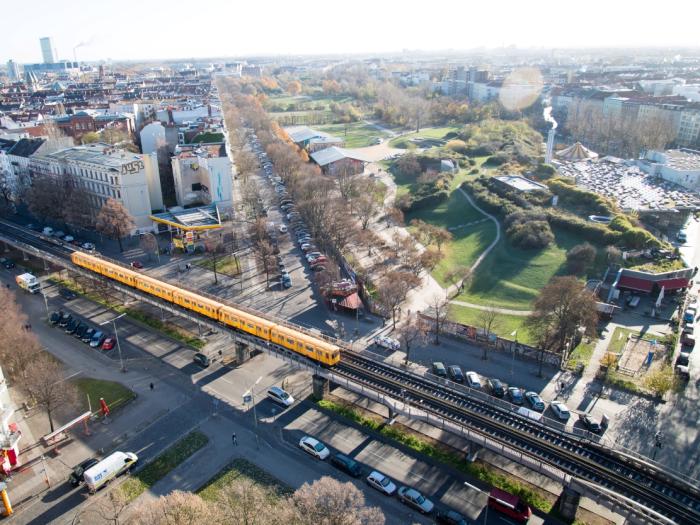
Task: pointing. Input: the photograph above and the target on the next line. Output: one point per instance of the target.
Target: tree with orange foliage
(294, 87)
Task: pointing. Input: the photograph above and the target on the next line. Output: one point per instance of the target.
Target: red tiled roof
(674, 284)
(635, 283)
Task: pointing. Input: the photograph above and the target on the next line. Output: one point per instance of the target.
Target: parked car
(515, 395)
(314, 447)
(65, 319)
(286, 280)
(80, 331)
(87, 335)
(59, 234)
(590, 424)
(439, 369)
(473, 380)
(88, 246)
(108, 343)
(137, 264)
(318, 268)
(387, 342)
(76, 476)
(688, 336)
(381, 482)
(560, 410)
(495, 387)
(201, 359)
(97, 339)
(67, 294)
(682, 237)
(689, 315)
(347, 465)
(455, 373)
(68, 238)
(450, 517)
(72, 326)
(55, 317)
(280, 396)
(413, 498)
(7, 263)
(535, 401)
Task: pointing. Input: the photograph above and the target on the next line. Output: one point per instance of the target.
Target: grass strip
(115, 394)
(156, 470)
(443, 455)
(241, 469)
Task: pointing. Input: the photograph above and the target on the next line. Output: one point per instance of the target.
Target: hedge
(432, 199)
(577, 197)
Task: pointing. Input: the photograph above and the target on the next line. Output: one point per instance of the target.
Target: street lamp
(486, 509)
(46, 300)
(248, 397)
(514, 333)
(116, 336)
(658, 444)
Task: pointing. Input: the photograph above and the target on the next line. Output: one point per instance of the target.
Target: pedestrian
(234, 439)
(561, 386)
(152, 386)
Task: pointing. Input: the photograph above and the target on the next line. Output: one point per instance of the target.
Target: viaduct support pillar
(320, 387)
(473, 451)
(568, 503)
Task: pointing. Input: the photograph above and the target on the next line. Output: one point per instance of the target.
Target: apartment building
(106, 172)
(203, 175)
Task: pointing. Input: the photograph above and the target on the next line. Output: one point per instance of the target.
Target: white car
(280, 396)
(382, 483)
(387, 342)
(560, 409)
(473, 380)
(314, 447)
(283, 228)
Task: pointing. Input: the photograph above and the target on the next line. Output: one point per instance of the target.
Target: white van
(280, 396)
(108, 469)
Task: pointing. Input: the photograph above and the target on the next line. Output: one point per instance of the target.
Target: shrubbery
(528, 229)
(458, 146)
(580, 258)
(577, 198)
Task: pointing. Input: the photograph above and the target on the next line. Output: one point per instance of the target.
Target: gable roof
(26, 147)
(329, 155)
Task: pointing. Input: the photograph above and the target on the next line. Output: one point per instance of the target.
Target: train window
(310, 348)
(290, 341)
(251, 325)
(326, 355)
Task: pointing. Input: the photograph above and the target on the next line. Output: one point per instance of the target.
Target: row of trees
(243, 502)
(28, 367)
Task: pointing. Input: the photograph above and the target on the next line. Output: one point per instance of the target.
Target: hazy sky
(148, 29)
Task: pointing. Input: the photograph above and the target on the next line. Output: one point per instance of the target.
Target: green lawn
(115, 394)
(505, 324)
(355, 134)
(242, 469)
(227, 265)
(511, 277)
(582, 353)
(619, 338)
(160, 467)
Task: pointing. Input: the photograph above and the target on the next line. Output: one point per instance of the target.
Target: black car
(72, 326)
(496, 388)
(450, 517)
(347, 465)
(7, 263)
(591, 424)
(80, 330)
(77, 476)
(201, 360)
(55, 317)
(455, 373)
(87, 335)
(67, 294)
(63, 322)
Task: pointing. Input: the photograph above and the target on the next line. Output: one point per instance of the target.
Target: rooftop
(188, 151)
(521, 183)
(682, 159)
(96, 153)
(333, 154)
(202, 218)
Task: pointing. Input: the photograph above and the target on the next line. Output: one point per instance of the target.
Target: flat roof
(521, 183)
(202, 218)
(329, 155)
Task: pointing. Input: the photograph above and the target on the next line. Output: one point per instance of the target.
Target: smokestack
(547, 114)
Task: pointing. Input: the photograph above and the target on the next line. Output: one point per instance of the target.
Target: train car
(245, 322)
(155, 287)
(196, 303)
(301, 343)
(106, 268)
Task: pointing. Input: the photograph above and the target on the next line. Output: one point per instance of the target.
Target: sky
(158, 29)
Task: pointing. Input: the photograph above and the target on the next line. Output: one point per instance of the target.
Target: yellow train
(293, 339)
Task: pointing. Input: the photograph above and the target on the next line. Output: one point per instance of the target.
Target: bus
(511, 506)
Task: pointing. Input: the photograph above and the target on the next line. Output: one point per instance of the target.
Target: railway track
(643, 483)
(580, 458)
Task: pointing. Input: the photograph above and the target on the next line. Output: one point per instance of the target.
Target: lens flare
(521, 88)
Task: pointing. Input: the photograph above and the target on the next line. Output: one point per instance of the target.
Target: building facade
(203, 174)
(106, 172)
(47, 52)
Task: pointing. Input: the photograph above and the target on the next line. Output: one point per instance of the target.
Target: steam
(547, 114)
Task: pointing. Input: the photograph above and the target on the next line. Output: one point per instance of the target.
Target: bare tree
(214, 250)
(149, 244)
(488, 320)
(328, 501)
(177, 508)
(44, 385)
(111, 507)
(439, 306)
(395, 216)
(266, 256)
(410, 335)
(393, 290)
(114, 221)
(366, 207)
(19, 348)
(245, 503)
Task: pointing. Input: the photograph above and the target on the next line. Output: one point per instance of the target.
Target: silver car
(415, 499)
(382, 483)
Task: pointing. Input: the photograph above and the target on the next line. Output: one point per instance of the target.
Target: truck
(28, 282)
(108, 469)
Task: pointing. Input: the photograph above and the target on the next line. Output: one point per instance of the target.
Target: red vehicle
(108, 343)
(509, 505)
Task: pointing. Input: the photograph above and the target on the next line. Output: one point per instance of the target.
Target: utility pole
(249, 396)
